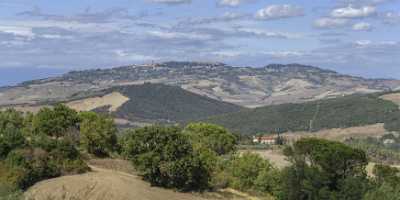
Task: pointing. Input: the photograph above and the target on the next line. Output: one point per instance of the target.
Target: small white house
(270, 139)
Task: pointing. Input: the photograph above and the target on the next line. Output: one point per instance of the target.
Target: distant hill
(246, 86)
(167, 103)
(341, 112)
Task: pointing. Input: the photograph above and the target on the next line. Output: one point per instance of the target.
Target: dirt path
(108, 184)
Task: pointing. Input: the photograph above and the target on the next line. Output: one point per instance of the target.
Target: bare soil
(116, 180)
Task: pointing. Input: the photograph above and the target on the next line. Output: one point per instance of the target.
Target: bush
(11, 117)
(98, 134)
(165, 157)
(28, 166)
(10, 138)
(250, 172)
(8, 192)
(55, 122)
(213, 137)
(384, 192)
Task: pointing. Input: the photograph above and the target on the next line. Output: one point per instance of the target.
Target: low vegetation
(380, 150)
(49, 144)
(319, 169)
(197, 157)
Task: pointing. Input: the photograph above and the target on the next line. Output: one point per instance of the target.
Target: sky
(40, 38)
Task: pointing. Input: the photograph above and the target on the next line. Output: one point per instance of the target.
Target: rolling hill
(245, 86)
(146, 103)
(167, 103)
(342, 112)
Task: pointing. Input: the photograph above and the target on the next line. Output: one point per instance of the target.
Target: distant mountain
(246, 86)
(342, 112)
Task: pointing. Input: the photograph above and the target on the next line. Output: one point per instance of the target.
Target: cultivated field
(114, 100)
(341, 134)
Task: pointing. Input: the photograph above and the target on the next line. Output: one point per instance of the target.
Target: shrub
(213, 137)
(98, 134)
(8, 192)
(10, 138)
(55, 122)
(248, 170)
(11, 117)
(165, 157)
(28, 166)
(384, 192)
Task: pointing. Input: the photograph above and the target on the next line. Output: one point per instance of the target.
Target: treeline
(51, 143)
(341, 112)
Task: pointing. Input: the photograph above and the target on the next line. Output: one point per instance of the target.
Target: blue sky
(39, 38)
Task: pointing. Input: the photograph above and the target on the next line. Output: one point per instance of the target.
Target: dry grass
(341, 134)
(395, 98)
(114, 100)
(275, 156)
(116, 180)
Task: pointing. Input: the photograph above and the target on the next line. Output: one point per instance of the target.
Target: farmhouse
(266, 139)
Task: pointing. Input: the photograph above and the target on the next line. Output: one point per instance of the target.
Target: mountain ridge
(245, 86)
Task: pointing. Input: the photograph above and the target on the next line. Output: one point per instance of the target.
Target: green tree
(10, 138)
(211, 136)
(245, 169)
(386, 174)
(11, 117)
(165, 157)
(385, 192)
(324, 170)
(55, 122)
(98, 133)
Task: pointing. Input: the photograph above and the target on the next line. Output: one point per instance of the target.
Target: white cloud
(269, 34)
(232, 3)
(284, 54)
(363, 43)
(171, 2)
(126, 56)
(330, 22)
(179, 35)
(364, 2)
(391, 17)
(370, 44)
(225, 54)
(18, 31)
(350, 12)
(362, 26)
(279, 11)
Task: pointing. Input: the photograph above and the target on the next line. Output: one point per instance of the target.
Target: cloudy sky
(39, 38)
